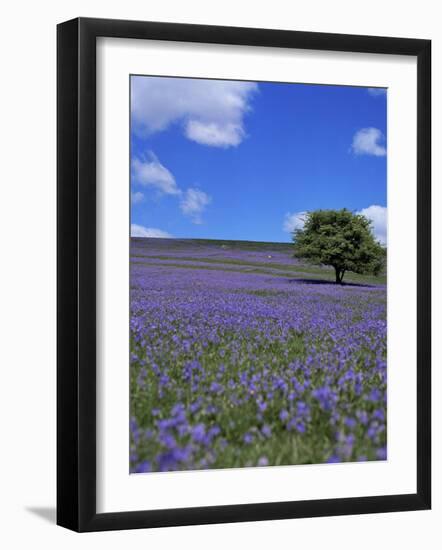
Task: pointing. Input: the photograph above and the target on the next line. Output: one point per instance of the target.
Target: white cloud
(193, 203)
(141, 231)
(368, 141)
(215, 134)
(293, 221)
(152, 173)
(378, 215)
(211, 111)
(376, 92)
(136, 198)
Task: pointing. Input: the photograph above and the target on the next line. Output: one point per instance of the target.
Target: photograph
(258, 274)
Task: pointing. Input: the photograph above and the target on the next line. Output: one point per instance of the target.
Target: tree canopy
(341, 239)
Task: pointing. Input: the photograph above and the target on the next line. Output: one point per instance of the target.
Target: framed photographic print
(243, 274)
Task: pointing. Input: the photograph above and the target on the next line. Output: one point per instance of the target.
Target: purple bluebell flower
(350, 422)
(199, 433)
(143, 467)
(381, 454)
(266, 430)
(248, 438)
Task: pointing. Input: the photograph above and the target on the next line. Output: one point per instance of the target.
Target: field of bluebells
(242, 356)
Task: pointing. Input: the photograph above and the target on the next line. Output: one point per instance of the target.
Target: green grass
(260, 268)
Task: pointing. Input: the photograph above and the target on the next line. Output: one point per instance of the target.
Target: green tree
(340, 239)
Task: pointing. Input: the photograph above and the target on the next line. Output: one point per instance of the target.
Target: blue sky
(242, 160)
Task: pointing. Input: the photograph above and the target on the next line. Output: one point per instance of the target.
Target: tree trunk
(339, 273)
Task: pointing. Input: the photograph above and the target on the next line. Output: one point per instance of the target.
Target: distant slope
(274, 259)
(175, 244)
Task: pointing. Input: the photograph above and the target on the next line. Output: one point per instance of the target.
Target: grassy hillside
(274, 259)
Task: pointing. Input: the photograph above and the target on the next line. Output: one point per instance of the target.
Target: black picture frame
(77, 287)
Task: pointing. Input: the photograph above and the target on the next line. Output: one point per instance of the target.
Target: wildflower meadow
(241, 356)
